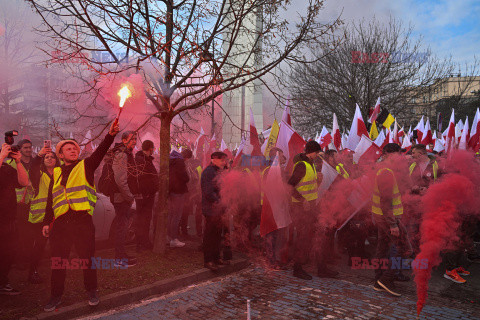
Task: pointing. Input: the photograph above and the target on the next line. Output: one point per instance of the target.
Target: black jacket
(147, 174)
(178, 174)
(211, 191)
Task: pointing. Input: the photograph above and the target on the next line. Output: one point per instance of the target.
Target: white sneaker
(175, 243)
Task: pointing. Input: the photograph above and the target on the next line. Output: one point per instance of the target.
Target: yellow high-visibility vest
(308, 186)
(77, 195)
(342, 171)
(434, 169)
(396, 199)
(25, 194)
(39, 202)
(199, 172)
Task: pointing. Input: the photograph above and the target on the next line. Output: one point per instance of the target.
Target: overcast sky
(449, 27)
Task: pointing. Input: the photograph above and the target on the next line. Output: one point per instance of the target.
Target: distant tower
(237, 103)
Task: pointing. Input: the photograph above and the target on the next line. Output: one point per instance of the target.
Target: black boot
(300, 273)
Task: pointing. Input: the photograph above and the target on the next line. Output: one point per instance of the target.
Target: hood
(175, 155)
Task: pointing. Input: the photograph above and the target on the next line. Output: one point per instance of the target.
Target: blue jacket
(211, 191)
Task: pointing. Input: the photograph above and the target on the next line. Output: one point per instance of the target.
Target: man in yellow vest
(305, 182)
(9, 180)
(73, 199)
(387, 210)
(423, 170)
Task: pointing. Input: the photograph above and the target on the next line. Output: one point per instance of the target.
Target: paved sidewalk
(279, 295)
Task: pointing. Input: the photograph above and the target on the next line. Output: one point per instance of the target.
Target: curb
(125, 297)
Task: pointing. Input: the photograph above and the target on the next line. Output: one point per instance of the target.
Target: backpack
(106, 183)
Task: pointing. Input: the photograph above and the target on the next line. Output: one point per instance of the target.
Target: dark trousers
(23, 229)
(8, 249)
(212, 238)
(467, 231)
(143, 219)
(305, 223)
(36, 245)
(73, 228)
(122, 217)
(384, 244)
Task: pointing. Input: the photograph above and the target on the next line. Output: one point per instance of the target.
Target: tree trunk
(161, 209)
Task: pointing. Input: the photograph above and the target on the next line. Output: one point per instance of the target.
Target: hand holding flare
(124, 94)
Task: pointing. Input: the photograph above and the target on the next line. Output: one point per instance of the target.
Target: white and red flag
(275, 210)
(286, 114)
(420, 128)
(475, 132)
(329, 174)
(357, 130)
(376, 112)
(462, 145)
(366, 151)
(427, 134)
(325, 138)
(380, 139)
(337, 137)
(290, 142)
(406, 143)
(86, 145)
(254, 142)
(224, 149)
(450, 139)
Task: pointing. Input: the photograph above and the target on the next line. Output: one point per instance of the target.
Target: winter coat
(124, 170)
(147, 174)
(211, 191)
(178, 174)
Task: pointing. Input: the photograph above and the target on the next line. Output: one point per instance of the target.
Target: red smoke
(445, 206)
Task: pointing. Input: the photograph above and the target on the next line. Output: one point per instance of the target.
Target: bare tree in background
(373, 61)
(187, 51)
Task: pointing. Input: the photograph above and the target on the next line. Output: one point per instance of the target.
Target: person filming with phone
(10, 179)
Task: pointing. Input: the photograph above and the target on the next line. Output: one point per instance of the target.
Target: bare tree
(374, 60)
(188, 51)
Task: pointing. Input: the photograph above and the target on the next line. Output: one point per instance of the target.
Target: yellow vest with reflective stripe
(77, 195)
(199, 172)
(39, 202)
(25, 194)
(396, 199)
(434, 169)
(341, 170)
(307, 187)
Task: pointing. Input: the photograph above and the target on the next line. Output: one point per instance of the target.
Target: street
(279, 295)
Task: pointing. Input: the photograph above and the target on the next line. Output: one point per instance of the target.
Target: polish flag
(224, 149)
(450, 140)
(357, 130)
(427, 134)
(254, 142)
(406, 143)
(86, 144)
(325, 138)
(286, 114)
(275, 210)
(439, 144)
(376, 112)
(201, 147)
(337, 137)
(329, 174)
(380, 139)
(290, 142)
(420, 128)
(462, 145)
(366, 150)
(475, 132)
(458, 129)
(395, 134)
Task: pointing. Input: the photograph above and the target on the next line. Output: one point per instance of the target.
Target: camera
(10, 140)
